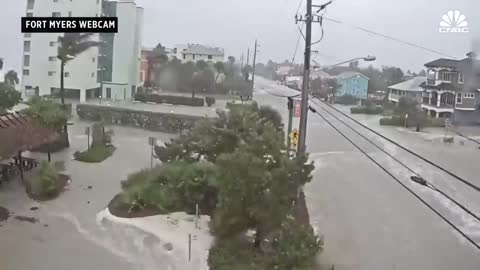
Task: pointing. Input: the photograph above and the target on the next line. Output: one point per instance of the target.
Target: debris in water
(34, 208)
(27, 219)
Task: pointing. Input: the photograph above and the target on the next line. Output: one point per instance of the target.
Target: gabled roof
(21, 133)
(349, 74)
(320, 74)
(410, 85)
(460, 65)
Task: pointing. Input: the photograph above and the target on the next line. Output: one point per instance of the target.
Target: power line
(298, 43)
(390, 38)
(299, 6)
(398, 180)
(466, 182)
(427, 184)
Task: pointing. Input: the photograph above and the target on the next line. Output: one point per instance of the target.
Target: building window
(69, 14)
(469, 95)
(93, 75)
(26, 72)
(26, 60)
(210, 57)
(460, 78)
(30, 4)
(52, 43)
(51, 73)
(56, 14)
(94, 59)
(355, 82)
(29, 14)
(184, 56)
(459, 98)
(55, 1)
(51, 58)
(109, 92)
(26, 46)
(446, 76)
(194, 57)
(27, 35)
(67, 74)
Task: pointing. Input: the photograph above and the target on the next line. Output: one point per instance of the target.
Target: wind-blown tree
(11, 78)
(49, 113)
(220, 69)
(9, 97)
(70, 46)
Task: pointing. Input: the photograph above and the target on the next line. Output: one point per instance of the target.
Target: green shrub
(392, 121)
(294, 247)
(176, 186)
(366, 110)
(346, 100)
(174, 100)
(236, 254)
(95, 154)
(44, 184)
(210, 101)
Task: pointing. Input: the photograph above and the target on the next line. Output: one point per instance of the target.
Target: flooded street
(68, 235)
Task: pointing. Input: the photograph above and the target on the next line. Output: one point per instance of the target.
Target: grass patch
(95, 154)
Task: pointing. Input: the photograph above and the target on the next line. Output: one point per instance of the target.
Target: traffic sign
(294, 138)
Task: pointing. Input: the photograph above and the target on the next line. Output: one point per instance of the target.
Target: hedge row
(400, 122)
(156, 121)
(366, 110)
(174, 100)
(346, 100)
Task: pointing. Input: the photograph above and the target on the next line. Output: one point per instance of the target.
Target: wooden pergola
(20, 133)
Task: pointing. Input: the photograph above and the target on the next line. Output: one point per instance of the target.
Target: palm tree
(11, 78)
(70, 46)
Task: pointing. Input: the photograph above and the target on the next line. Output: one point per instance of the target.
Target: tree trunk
(258, 239)
(62, 98)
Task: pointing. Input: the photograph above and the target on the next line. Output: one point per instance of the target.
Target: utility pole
(254, 63)
(241, 62)
(306, 80)
(309, 19)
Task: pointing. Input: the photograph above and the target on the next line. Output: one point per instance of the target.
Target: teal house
(352, 83)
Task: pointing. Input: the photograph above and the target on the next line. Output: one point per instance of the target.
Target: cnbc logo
(453, 22)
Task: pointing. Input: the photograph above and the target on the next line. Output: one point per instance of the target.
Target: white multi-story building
(115, 64)
(196, 52)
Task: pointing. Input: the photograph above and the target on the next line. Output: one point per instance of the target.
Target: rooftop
(410, 85)
(201, 49)
(21, 133)
(349, 74)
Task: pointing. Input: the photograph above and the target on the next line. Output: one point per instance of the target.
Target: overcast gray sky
(234, 25)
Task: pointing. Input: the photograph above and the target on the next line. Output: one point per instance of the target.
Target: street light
(368, 58)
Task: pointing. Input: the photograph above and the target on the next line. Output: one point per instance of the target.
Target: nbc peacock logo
(453, 22)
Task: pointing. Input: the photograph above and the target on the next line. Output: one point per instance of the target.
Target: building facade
(452, 89)
(110, 70)
(352, 83)
(195, 52)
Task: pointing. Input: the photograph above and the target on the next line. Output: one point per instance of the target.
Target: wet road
(368, 220)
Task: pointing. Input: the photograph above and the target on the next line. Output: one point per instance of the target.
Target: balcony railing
(430, 81)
